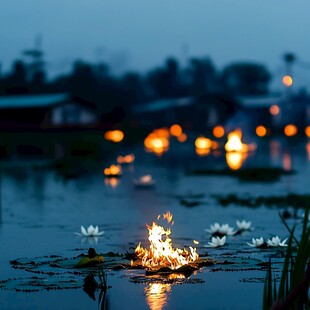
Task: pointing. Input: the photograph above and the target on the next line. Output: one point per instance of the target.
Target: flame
(127, 159)
(261, 131)
(175, 130)
(274, 109)
(157, 141)
(287, 80)
(161, 252)
(113, 170)
(290, 130)
(307, 131)
(203, 143)
(114, 135)
(218, 131)
(234, 143)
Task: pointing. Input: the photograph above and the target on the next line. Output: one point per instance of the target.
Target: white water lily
(256, 243)
(276, 241)
(221, 230)
(91, 231)
(243, 225)
(217, 242)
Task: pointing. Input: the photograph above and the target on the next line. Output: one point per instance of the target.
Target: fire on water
(161, 252)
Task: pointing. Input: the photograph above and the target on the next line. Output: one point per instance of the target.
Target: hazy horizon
(139, 35)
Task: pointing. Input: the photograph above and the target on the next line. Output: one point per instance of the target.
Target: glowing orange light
(127, 159)
(287, 80)
(274, 109)
(114, 135)
(113, 171)
(235, 160)
(156, 295)
(307, 131)
(203, 143)
(202, 152)
(261, 131)
(161, 252)
(161, 132)
(182, 138)
(175, 130)
(157, 141)
(218, 131)
(234, 143)
(290, 130)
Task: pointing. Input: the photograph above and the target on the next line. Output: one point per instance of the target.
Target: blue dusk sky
(140, 34)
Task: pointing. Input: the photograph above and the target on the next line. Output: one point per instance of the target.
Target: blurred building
(45, 111)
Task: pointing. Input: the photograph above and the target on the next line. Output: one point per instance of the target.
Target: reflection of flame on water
(308, 150)
(235, 160)
(287, 162)
(113, 182)
(157, 293)
(275, 149)
(161, 253)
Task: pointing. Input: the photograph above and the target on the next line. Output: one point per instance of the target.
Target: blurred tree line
(95, 83)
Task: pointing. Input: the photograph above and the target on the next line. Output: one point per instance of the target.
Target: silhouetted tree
(82, 80)
(16, 81)
(202, 76)
(165, 82)
(246, 79)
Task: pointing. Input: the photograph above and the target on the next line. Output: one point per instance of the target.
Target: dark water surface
(41, 211)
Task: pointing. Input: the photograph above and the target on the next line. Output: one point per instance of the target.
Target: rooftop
(32, 101)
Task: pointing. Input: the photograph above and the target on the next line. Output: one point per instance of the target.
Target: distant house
(35, 112)
(258, 110)
(197, 113)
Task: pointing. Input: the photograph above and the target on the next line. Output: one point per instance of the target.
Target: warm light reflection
(127, 159)
(261, 131)
(290, 130)
(274, 109)
(113, 171)
(114, 135)
(218, 131)
(161, 252)
(287, 162)
(175, 130)
(182, 138)
(307, 131)
(156, 295)
(235, 159)
(275, 149)
(308, 150)
(202, 152)
(287, 80)
(113, 182)
(144, 181)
